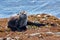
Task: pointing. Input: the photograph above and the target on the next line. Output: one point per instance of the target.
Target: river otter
(18, 22)
(22, 22)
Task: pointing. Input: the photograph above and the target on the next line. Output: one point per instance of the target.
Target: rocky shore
(49, 31)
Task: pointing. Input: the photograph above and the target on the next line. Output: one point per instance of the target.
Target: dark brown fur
(18, 22)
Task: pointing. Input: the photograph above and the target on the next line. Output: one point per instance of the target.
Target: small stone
(57, 33)
(49, 33)
(40, 35)
(17, 38)
(38, 16)
(13, 39)
(43, 19)
(45, 15)
(1, 38)
(4, 38)
(34, 34)
(8, 38)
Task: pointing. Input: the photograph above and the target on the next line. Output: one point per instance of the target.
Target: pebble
(49, 33)
(1, 38)
(38, 15)
(57, 33)
(34, 34)
(8, 38)
(17, 38)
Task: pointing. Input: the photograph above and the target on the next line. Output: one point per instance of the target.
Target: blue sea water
(10, 7)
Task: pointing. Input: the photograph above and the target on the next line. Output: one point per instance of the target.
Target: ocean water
(11, 7)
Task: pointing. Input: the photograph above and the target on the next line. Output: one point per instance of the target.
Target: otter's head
(22, 12)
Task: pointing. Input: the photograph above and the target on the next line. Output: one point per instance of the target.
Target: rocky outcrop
(50, 30)
(45, 19)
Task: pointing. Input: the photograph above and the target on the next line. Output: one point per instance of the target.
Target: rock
(34, 34)
(8, 38)
(57, 33)
(17, 38)
(1, 38)
(49, 33)
(38, 15)
(13, 39)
